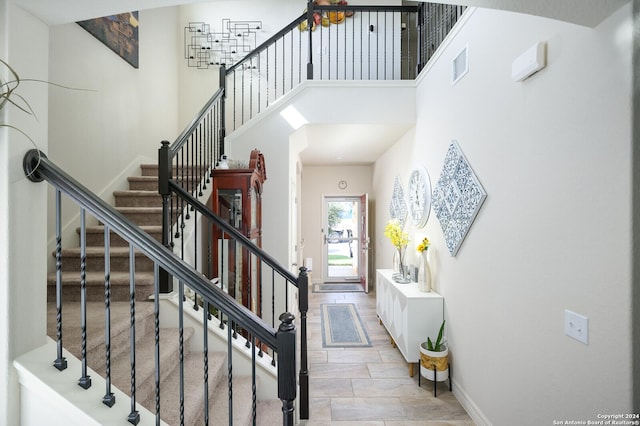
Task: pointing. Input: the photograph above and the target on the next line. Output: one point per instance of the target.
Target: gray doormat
(342, 327)
(337, 288)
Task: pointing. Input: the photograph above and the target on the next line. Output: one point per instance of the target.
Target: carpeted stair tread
(96, 278)
(269, 412)
(143, 183)
(193, 388)
(95, 235)
(94, 257)
(125, 210)
(145, 363)
(137, 198)
(144, 282)
(242, 403)
(95, 314)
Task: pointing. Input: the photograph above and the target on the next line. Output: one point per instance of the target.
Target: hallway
(370, 386)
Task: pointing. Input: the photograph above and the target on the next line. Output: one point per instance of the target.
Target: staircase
(142, 205)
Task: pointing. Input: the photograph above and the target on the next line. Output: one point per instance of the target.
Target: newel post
(286, 339)
(303, 306)
(309, 27)
(164, 175)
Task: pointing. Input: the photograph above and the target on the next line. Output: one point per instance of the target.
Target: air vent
(460, 66)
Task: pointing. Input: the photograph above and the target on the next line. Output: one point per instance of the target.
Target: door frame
(360, 253)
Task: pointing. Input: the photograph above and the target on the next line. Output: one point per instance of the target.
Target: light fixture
(205, 48)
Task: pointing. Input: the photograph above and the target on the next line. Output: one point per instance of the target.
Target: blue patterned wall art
(457, 198)
(398, 206)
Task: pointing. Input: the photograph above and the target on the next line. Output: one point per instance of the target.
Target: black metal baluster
(234, 100)
(179, 200)
(205, 341)
(275, 70)
(85, 380)
(273, 307)
(156, 332)
(60, 362)
(267, 77)
(377, 46)
(251, 87)
(134, 416)
(230, 372)
(109, 398)
(284, 63)
(186, 175)
(181, 348)
(259, 86)
(242, 97)
(254, 404)
(200, 162)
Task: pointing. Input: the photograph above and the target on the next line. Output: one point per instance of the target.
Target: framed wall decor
(118, 32)
(398, 205)
(457, 198)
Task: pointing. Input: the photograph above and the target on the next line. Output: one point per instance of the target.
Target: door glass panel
(230, 251)
(342, 239)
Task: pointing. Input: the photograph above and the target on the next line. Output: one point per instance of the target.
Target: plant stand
(435, 382)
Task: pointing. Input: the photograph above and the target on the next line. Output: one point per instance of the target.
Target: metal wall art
(205, 47)
(457, 198)
(398, 206)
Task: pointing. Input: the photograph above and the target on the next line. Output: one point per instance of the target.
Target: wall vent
(460, 66)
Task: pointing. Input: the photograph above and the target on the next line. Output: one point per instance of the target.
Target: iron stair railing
(348, 43)
(281, 342)
(184, 170)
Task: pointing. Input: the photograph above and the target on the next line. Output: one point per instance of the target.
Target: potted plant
(434, 358)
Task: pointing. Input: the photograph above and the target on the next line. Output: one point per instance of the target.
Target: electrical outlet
(576, 326)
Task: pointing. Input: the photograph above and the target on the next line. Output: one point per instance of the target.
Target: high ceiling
(582, 12)
(344, 143)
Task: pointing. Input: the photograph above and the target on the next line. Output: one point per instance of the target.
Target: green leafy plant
(438, 346)
(9, 96)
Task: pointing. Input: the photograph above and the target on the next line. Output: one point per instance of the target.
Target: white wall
(318, 181)
(102, 134)
(553, 154)
(23, 206)
(198, 85)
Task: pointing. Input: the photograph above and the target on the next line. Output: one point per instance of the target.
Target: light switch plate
(576, 326)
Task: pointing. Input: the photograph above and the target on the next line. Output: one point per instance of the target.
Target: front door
(345, 236)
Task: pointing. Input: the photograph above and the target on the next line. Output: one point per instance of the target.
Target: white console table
(409, 315)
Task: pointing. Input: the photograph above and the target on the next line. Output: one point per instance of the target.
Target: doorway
(345, 239)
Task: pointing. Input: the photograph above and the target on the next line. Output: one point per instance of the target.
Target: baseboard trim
(470, 407)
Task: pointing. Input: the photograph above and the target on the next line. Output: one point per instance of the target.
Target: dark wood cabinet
(237, 198)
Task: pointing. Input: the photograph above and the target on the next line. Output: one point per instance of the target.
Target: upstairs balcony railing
(337, 42)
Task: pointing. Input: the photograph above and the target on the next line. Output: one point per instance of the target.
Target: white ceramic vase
(424, 274)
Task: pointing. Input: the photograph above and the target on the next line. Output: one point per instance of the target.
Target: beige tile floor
(370, 386)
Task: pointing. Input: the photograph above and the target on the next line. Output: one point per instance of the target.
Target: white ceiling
(349, 144)
(343, 143)
(583, 12)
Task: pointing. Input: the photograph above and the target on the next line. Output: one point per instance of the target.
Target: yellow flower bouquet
(394, 232)
(424, 245)
(399, 239)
